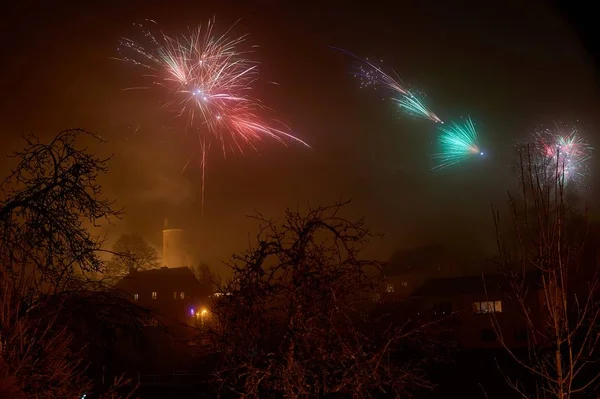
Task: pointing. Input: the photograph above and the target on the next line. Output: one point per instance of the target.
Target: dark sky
(510, 67)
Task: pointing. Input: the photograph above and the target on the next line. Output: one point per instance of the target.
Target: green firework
(457, 143)
(411, 105)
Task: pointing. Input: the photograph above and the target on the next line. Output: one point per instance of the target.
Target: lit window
(389, 288)
(175, 295)
(487, 307)
(136, 297)
(182, 295)
(154, 295)
(405, 283)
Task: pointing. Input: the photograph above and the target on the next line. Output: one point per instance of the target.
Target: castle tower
(175, 249)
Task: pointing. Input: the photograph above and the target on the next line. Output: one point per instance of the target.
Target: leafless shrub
(549, 245)
(294, 318)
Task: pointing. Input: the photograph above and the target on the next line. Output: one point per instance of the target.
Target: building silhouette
(175, 295)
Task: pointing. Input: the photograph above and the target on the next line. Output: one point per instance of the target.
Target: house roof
(453, 286)
(163, 278)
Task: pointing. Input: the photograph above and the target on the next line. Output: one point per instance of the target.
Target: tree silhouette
(50, 196)
(131, 253)
(294, 322)
(47, 254)
(205, 276)
(551, 243)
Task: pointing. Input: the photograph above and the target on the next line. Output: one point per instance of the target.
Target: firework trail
(561, 153)
(371, 75)
(411, 105)
(458, 142)
(207, 79)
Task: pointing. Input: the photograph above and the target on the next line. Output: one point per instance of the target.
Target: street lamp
(203, 313)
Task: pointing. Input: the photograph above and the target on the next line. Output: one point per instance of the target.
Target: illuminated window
(154, 295)
(175, 295)
(389, 288)
(136, 297)
(487, 307)
(182, 295)
(405, 283)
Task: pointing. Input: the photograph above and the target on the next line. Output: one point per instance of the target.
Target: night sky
(510, 67)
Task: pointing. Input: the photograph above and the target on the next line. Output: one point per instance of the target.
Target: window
(405, 283)
(182, 295)
(389, 288)
(136, 297)
(154, 295)
(174, 294)
(488, 335)
(487, 307)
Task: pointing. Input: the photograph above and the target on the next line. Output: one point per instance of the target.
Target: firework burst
(371, 75)
(458, 142)
(207, 79)
(561, 152)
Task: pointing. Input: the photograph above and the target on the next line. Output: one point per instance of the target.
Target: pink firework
(207, 79)
(562, 151)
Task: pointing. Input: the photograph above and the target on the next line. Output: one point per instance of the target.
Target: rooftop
(454, 286)
(164, 277)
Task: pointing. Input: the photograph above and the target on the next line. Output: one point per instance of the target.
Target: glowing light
(458, 142)
(202, 312)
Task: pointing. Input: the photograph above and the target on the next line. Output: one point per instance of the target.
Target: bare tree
(50, 196)
(550, 247)
(294, 321)
(37, 355)
(131, 253)
(46, 254)
(205, 276)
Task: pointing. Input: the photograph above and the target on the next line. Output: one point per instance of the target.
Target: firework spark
(458, 142)
(207, 79)
(562, 152)
(373, 76)
(411, 105)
